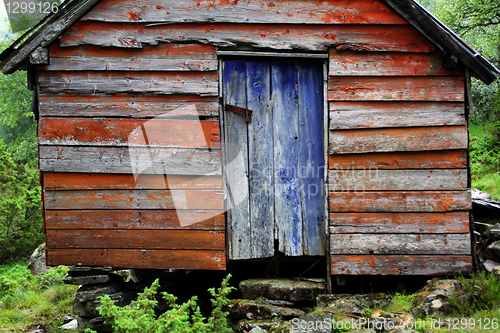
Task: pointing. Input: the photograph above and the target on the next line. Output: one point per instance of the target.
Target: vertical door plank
(237, 162)
(260, 158)
(311, 157)
(288, 217)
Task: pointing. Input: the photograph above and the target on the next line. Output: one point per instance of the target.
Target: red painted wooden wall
(399, 196)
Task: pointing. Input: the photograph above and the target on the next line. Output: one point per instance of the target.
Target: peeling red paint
(134, 16)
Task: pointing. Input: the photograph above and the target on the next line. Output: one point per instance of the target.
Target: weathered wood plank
(398, 139)
(260, 158)
(400, 265)
(311, 156)
(134, 199)
(447, 159)
(166, 83)
(136, 239)
(404, 88)
(96, 181)
(400, 244)
(418, 201)
(133, 106)
(153, 259)
(287, 201)
(401, 38)
(398, 180)
(432, 223)
(349, 63)
(129, 132)
(162, 161)
(351, 115)
(281, 11)
(165, 57)
(236, 161)
(135, 219)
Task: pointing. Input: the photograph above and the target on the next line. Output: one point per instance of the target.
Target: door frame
(223, 55)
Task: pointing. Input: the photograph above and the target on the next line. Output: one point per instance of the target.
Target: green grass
(484, 173)
(489, 183)
(28, 301)
(400, 303)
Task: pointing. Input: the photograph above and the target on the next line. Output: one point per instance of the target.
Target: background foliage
(20, 192)
(478, 23)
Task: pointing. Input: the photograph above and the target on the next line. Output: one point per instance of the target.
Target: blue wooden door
(275, 163)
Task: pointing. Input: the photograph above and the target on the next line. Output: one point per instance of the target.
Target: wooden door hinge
(236, 109)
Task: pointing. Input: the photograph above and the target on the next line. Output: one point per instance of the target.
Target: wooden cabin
(189, 134)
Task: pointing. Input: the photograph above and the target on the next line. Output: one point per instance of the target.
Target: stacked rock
(95, 282)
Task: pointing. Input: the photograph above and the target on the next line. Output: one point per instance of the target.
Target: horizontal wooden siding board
(135, 219)
(403, 38)
(349, 223)
(166, 57)
(349, 63)
(399, 201)
(353, 115)
(398, 139)
(398, 180)
(126, 258)
(129, 132)
(133, 199)
(166, 83)
(136, 239)
(95, 181)
(163, 161)
(439, 159)
(281, 11)
(400, 265)
(396, 88)
(132, 106)
(402, 244)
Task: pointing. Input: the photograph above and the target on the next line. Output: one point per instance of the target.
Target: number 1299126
(471, 323)
(30, 7)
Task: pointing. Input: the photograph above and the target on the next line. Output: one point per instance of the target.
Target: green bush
(481, 292)
(20, 209)
(139, 317)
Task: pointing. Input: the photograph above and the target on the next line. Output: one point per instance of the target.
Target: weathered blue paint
(288, 214)
(236, 132)
(285, 157)
(311, 156)
(260, 157)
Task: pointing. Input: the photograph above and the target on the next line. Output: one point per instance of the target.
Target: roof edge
(443, 37)
(48, 33)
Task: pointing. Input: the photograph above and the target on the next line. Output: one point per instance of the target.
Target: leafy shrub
(139, 317)
(481, 292)
(20, 209)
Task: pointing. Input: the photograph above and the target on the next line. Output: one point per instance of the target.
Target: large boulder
(388, 321)
(434, 297)
(256, 310)
(352, 304)
(492, 252)
(295, 290)
(36, 262)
